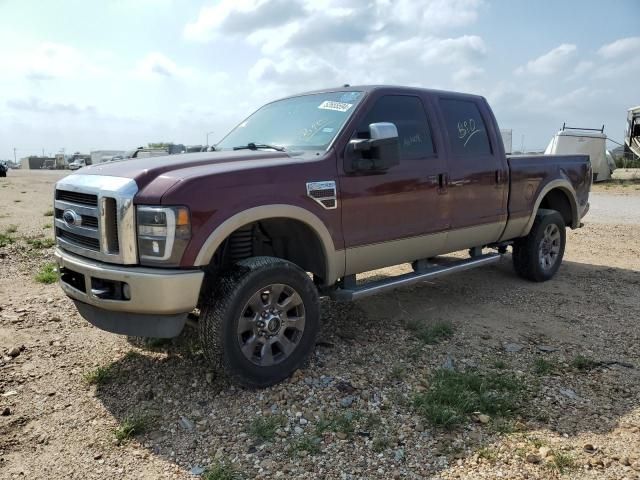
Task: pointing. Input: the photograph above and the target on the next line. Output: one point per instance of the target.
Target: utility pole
(14, 155)
(208, 133)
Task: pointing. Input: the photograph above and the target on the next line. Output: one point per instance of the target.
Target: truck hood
(177, 167)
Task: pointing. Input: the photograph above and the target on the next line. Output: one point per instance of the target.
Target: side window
(466, 128)
(409, 117)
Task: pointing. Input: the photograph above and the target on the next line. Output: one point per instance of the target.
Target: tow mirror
(377, 153)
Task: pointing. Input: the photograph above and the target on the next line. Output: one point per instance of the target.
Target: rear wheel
(538, 256)
(259, 322)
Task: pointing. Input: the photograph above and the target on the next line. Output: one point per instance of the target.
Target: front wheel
(538, 256)
(259, 322)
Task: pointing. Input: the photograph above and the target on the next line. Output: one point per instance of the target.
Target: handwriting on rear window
(466, 130)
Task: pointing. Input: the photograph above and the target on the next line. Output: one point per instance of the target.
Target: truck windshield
(308, 122)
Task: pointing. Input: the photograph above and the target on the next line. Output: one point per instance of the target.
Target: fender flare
(565, 187)
(334, 259)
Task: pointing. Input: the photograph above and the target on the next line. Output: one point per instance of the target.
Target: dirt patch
(81, 403)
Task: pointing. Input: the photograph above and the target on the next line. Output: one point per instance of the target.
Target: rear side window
(409, 117)
(466, 128)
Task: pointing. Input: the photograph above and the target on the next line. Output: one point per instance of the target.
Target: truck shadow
(368, 355)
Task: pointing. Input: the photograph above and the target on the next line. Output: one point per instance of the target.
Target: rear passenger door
(478, 174)
(386, 215)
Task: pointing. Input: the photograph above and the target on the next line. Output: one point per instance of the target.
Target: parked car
(3, 169)
(297, 200)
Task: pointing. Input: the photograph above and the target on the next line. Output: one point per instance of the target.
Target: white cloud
(242, 17)
(623, 47)
(48, 60)
(38, 105)
(155, 64)
(549, 63)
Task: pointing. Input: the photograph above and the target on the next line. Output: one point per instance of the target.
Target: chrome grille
(77, 198)
(95, 217)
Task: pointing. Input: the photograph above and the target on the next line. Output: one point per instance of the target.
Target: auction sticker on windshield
(337, 106)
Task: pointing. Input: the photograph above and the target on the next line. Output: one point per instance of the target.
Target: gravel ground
(71, 394)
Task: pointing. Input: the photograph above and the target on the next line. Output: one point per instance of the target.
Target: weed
(452, 396)
(489, 454)
(536, 442)
(430, 334)
(307, 444)
(131, 426)
(583, 363)
(500, 364)
(264, 428)
(561, 462)
(17, 201)
(543, 367)
(48, 213)
(41, 243)
(221, 471)
(99, 376)
(344, 423)
(47, 225)
(397, 373)
(381, 443)
(503, 426)
(48, 273)
(6, 237)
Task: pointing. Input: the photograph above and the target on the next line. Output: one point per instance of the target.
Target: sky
(84, 75)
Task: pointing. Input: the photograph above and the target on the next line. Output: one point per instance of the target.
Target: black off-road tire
(527, 250)
(224, 304)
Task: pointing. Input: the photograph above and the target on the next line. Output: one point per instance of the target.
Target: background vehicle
(331, 183)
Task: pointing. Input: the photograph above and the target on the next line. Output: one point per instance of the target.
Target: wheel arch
(557, 195)
(332, 262)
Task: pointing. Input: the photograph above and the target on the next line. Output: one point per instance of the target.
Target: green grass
(99, 376)
(344, 423)
(221, 471)
(543, 367)
(397, 373)
(453, 396)
(583, 363)
(49, 213)
(131, 426)
(311, 445)
(489, 454)
(264, 428)
(561, 462)
(6, 237)
(381, 443)
(431, 333)
(48, 273)
(47, 225)
(499, 364)
(41, 243)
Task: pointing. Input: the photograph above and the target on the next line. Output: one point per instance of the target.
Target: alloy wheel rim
(549, 249)
(271, 325)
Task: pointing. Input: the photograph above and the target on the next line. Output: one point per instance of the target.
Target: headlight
(163, 234)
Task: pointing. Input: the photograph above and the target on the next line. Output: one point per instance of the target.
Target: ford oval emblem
(71, 218)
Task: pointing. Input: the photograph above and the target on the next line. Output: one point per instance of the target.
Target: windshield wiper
(256, 146)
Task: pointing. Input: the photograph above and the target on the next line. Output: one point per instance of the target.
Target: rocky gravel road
(554, 368)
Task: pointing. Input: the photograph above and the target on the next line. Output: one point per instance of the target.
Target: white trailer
(588, 141)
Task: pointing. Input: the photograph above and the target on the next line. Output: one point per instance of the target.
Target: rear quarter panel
(530, 177)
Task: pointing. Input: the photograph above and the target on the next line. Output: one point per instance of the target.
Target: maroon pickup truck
(298, 199)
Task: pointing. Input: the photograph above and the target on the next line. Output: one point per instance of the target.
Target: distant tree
(160, 144)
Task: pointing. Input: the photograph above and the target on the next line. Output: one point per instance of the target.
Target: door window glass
(466, 128)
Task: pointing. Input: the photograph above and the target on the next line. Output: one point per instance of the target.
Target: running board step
(371, 288)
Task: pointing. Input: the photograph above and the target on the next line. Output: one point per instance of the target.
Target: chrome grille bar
(100, 217)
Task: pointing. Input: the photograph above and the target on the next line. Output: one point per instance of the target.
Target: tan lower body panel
(379, 255)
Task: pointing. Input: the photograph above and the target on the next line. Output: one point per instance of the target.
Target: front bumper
(130, 300)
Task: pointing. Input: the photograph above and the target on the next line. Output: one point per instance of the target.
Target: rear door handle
(443, 180)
